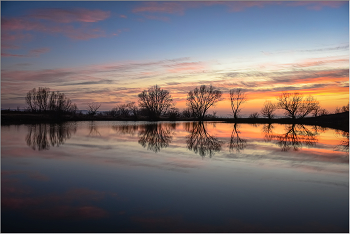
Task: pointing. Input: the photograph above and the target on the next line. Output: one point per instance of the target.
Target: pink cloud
(165, 7)
(70, 15)
(32, 53)
(317, 5)
(234, 6)
(123, 16)
(186, 67)
(22, 24)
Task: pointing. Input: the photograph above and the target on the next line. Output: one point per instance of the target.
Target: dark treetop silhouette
(156, 101)
(43, 100)
(296, 105)
(237, 98)
(268, 109)
(201, 99)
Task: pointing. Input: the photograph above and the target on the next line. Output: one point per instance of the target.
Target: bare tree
(201, 99)
(156, 101)
(254, 115)
(133, 109)
(345, 108)
(30, 100)
(42, 100)
(60, 104)
(93, 107)
(187, 113)
(323, 112)
(37, 100)
(295, 105)
(237, 97)
(317, 110)
(268, 109)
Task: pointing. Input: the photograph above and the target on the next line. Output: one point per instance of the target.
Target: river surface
(173, 177)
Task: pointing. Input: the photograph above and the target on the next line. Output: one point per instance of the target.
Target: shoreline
(336, 121)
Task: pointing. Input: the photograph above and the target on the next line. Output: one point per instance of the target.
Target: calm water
(173, 177)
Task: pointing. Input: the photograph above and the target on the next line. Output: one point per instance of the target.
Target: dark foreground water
(173, 177)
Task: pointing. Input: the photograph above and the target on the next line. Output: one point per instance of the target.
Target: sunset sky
(108, 52)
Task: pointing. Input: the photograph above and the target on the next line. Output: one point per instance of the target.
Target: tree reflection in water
(344, 144)
(236, 142)
(126, 129)
(267, 129)
(200, 141)
(93, 130)
(295, 136)
(41, 136)
(156, 136)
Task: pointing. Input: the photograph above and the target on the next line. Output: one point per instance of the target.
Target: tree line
(155, 103)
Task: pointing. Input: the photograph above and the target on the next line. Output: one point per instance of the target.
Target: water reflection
(156, 136)
(267, 130)
(200, 141)
(41, 136)
(236, 142)
(93, 130)
(295, 136)
(344, 144)
(126, 129)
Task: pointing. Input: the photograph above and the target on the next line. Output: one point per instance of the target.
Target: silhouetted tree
(156, 101)
(60, 104)
(254, 115)
(133, 109)
(295, 105)
(236, 142)
(317, 110)
(173, 113)
(268, 109)
(323, 112)
(237, 97)
(187, 113)
(345, 108)
(201, 99)
(93, 107)
(200, 141)
(43, 100)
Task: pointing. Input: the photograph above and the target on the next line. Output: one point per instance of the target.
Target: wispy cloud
(70, 15)
(316, 5)
(31, 53)
(12, 26)
(52, 21)
(186, 67)
(164, 7)
(179, 8)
